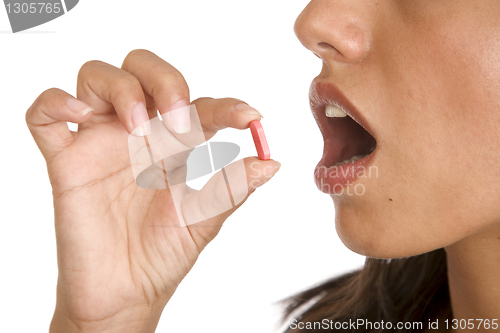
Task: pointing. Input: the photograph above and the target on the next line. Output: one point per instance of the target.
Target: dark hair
(406, 290)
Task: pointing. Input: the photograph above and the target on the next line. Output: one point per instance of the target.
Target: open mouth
(349, 143)
(346, 141)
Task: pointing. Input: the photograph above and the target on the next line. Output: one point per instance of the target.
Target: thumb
(225, 192)
(260, 172)
(47, 117)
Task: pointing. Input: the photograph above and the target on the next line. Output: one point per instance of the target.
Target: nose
(336, 30)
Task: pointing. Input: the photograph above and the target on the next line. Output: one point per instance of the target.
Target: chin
(380, 234)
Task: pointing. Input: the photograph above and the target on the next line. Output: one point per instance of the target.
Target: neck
(473, 275)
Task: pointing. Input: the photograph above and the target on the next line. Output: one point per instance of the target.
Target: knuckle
(203, 100)
(126, 87)
(170, 83)
(87, 68)
(90, 66)
(44, 100)
(232, 101)
(29, 115)
(48, 94)
(126, 84)
(169, 77)
(137, 53)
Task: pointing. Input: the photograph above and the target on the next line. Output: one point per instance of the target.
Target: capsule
(259, 138)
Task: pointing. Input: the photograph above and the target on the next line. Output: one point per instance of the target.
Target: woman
(408, 88)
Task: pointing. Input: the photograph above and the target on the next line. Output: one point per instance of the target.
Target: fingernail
(247, 109)
(268, 174)
(140, 119)
(78, 107)
(180, 117)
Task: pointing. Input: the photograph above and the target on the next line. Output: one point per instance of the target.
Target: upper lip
(323, 93)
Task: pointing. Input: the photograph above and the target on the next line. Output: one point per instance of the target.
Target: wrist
(131, 320)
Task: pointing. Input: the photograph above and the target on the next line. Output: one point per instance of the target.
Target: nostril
(350, 44)
(327, 47)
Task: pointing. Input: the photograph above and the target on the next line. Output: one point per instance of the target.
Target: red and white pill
(259, 138)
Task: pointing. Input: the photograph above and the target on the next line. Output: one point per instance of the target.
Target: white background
(281, 241)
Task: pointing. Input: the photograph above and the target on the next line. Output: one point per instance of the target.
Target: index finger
(164, 83)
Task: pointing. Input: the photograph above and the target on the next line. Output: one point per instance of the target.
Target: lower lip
(334, 179)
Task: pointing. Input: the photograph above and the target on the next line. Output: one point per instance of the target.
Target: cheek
(450, 131)
(439, 160)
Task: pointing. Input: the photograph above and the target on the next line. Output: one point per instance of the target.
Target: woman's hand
(118, 266)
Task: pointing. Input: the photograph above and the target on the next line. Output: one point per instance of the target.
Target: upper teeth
(333, 111)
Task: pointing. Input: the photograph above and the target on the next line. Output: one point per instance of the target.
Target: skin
(121, 250)
(425, 75)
